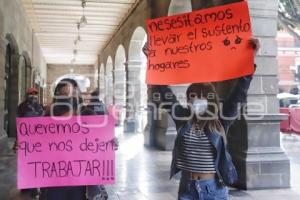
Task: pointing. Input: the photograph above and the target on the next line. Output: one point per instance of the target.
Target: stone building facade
(21, 62)
(288, 62)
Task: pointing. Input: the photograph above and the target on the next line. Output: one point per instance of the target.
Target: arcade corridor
(99, 43)
(143, 174)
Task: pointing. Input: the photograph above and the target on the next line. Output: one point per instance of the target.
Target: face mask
(72, 101)
(200, 106)
(32, 99)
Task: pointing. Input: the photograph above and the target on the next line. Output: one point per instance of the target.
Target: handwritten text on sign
(202, 46)
(65, 152)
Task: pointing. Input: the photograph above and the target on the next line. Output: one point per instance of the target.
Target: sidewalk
(143, 174)
(7, 169)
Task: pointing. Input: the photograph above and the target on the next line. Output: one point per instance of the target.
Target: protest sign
(65, 152)
(202, 46)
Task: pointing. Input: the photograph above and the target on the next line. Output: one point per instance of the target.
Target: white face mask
(200, 106)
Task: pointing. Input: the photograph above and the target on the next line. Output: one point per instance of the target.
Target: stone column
(14, 100)
(109, 90)
(119, 86)
(102, 86)
(254, 141)
(5, 142)
(159, 132)
(2, 82)
(133, 98)
(159, 8)
(119, 92)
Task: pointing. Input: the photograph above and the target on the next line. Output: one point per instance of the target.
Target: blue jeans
(63, 193)
(97, 192)
(31, 192)
(202, 190)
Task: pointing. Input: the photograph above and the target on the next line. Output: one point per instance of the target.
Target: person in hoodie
(67, 101)
(30, 107)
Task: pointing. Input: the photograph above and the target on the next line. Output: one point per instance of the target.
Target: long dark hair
(65, 82)
(208, 91)
(64, 104)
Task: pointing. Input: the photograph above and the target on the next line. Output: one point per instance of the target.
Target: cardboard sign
(203, 46)
(65, 152)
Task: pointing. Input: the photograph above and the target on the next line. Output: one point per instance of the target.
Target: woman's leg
(30, 192)
(222, 194)
(97, 192)
(93, 191)
(211, 190)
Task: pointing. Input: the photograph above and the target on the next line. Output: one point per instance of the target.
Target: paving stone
(144, 175)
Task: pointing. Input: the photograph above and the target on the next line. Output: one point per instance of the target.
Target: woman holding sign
(65, 103)
(200, 151)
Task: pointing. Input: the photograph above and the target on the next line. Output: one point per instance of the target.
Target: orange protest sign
(203, 46)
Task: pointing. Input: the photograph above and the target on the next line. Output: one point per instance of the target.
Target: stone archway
(120, 82)
(102, 82)
(179, 6)
(22, 79)
(11, 97)
(162, 132)
(136, 116)
(24, 75)
(28, 71)
(109, 90)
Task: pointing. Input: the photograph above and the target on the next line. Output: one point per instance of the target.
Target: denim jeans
(63, 193)
(97, 192)
(30, 192)
(202, 190)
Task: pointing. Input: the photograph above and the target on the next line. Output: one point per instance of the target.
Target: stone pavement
(143, 174)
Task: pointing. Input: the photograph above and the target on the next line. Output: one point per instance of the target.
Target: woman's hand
(255, 44)
(146, 49)
(115, 142)
(15, 147)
